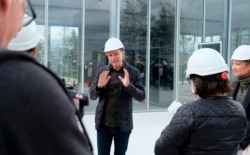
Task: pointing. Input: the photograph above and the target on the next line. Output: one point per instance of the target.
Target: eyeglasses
(31, 15)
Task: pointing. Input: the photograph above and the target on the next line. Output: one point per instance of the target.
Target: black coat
(125, 108)
(37, 116)
(246, 105)
(212, 126)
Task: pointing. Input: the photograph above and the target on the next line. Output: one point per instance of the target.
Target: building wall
(159, 36)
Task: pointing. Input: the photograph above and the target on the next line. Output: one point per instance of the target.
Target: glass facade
(159, 36)
(134, 36)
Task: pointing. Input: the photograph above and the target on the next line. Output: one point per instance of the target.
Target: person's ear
(34, 51)
(5, 5)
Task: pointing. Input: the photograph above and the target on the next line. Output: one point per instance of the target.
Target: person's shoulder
(24, 67)
(104, 67)
(6, 54)
(21, 59)
(190, 106)
(187, 110)
(2, 49)
(232, 101)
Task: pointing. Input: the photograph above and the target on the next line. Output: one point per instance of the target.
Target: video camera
(79, 99)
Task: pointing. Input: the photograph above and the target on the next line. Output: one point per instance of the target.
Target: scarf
(244, 84)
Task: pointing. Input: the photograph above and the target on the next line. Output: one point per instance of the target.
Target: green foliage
(40, 51)
(72, 44)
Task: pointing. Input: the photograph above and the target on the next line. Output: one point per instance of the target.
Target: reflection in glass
(133, 31)
(240, 28)
(67, 45)
(63, 44)
(63, 56)
(191, 32)
(40, 55)
(162, 54)
(97, 30)
(194, 30)
(40, 46)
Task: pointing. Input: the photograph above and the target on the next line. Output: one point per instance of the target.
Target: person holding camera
(37, 115)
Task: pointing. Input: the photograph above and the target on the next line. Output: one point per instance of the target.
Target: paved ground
(147, 128)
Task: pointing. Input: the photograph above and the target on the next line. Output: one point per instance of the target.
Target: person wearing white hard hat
(37, 116)
(116, 84)
(26, 40)
(213, 123)
(241, 69)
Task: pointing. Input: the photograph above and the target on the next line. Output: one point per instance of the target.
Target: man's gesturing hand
(125, 81)
(103, 79)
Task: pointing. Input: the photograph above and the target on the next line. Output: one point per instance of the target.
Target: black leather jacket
(212, 126)
(125, 109)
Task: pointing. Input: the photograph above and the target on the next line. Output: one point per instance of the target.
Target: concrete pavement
(147, 128)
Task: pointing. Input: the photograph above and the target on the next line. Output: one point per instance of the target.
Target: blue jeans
(106, 134)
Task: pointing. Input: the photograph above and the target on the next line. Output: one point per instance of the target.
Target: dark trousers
(106, 134)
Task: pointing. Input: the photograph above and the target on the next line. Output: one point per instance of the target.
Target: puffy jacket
(135, 90)
(212, 126)
(246, 106)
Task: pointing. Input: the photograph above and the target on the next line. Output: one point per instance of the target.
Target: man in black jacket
(37, 116)
(115, 85)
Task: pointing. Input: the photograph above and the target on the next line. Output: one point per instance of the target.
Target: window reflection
(133, 32)
(190, 35)
(40, 46)
(240, 32)
(67, 45)
(64, 48)
(97, 31)
(162, 54)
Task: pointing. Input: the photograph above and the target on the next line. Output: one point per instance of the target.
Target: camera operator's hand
(103, 79)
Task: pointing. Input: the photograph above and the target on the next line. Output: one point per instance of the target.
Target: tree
(134, 29)
(72, 46)
(162, 30)
(40, 51)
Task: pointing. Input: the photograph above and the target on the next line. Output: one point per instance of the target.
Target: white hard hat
(113, 44)
(204, 62)
(27, 38)
(241, 53)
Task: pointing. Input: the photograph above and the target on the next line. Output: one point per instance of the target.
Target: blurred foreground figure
(26, 41)
(37, 116)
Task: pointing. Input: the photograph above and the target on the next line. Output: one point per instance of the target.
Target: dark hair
(207, 86)
(122, 49)
(29, 50)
